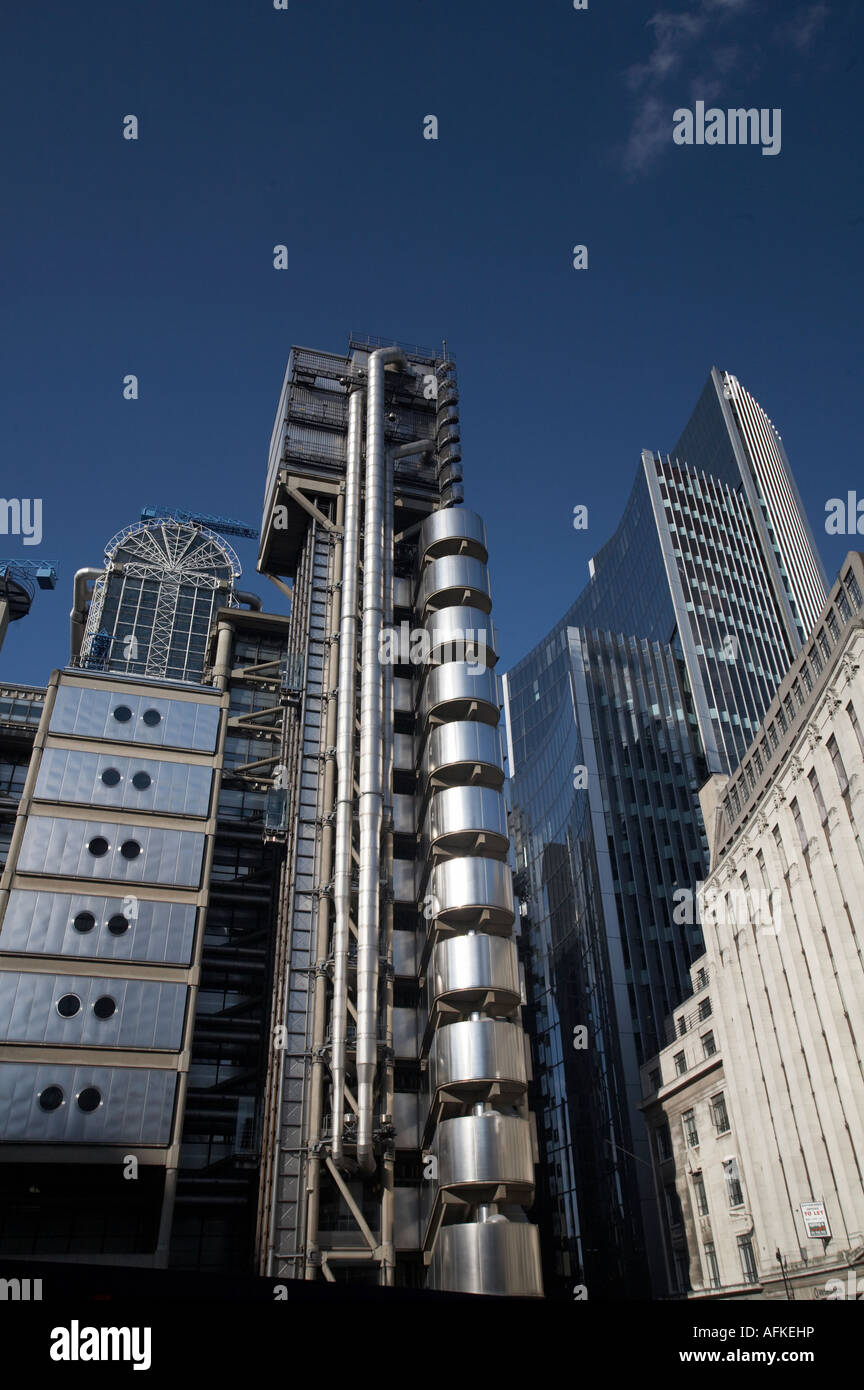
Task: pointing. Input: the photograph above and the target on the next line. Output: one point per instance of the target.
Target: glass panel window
(680, 1063)
(799, 823)
(704, 1009)
(734, 1191)
(719, 1114)
(853, 720)
(817, 794)
(748, 1259)
(709, 1045)
(700, 1194)
(691, 1133)
(837, 760)
(711, 1262)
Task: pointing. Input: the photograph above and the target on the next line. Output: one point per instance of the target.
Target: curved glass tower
(657, 676)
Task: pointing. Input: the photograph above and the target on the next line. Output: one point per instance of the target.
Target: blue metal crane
(225, 525)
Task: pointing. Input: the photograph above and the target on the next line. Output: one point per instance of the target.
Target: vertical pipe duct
(345, 765)
(326, 863)
(371, 799)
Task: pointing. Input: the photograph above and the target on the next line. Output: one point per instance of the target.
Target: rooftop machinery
(398, 1148)
(18, 581)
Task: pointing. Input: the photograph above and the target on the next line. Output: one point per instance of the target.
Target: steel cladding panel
(55, 845)
(147, 1013)
(181, 789)
(89, 713)
(43, 924)
(136, 1105)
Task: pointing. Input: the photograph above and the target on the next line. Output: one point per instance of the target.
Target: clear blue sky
(260, 127)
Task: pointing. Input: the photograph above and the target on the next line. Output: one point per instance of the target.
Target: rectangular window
(798, 692)
(817, 794)
(838, 763)
(799, 823)
(700, 1195)
(709, 1046)
(852, 589)
(673, 1207)
(778, 841)
(691, 1133)
(680, 1064)
(711, 1262)
(704, 1009)
(719, 1114)
(748, 1260)
(701, 977)
(853, 720)
(772, 733)
(663, 1140)
(789, 708)
(833, 625)
(733, 1183)
(806, 678)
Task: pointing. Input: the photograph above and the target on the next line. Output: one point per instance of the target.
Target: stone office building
(756, 1108)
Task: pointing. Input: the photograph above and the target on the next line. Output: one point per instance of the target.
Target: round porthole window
(122, 714)
(118, 924)
(141, 781)
(68, 1006)
(151, 718)
(104, 1006)
(84, 922)
(89, 1099)
(98, 846)
(51, 1098)
(130, 849)
(111, 777)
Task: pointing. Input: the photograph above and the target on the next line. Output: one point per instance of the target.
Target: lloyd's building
(260, 985)
(657, 677)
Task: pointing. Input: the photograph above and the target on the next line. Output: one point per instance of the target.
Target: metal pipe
(325, 875)
(78, 615)
(387, 1089)
(371, 808)
(345, 764)
(251, 600)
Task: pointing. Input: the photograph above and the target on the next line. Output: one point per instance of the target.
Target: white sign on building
(816, 1220)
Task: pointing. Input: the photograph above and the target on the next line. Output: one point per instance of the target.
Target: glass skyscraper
(656, 677)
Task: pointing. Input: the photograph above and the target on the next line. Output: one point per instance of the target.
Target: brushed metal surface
(56, 845)
(147, 1013)
(461, 634)
(88, 712)
(453, 531)
(136, 1106)
(454, 579)
(41, 923)
(181, 789)
(478, 1051)
(487, 1150)
(466, 969)
(488, 1257)
(462, 820)
(473, 892)
(463, 752)
(459, 690)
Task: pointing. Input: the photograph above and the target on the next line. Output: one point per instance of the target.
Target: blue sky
(304, 127)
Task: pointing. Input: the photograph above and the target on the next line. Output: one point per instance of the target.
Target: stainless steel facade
(400, 1006)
